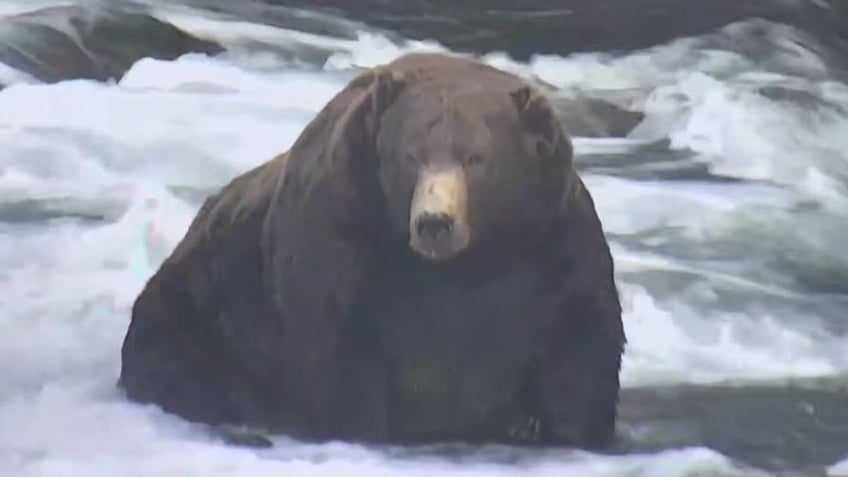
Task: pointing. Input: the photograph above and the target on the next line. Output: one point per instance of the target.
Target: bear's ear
(535, 112)
(386, 85)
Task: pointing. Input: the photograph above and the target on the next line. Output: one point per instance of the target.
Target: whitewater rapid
(735, 272)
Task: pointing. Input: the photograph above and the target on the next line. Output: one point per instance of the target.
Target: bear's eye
(473, 158)
(544, 150)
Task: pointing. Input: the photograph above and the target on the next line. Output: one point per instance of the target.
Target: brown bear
(423, 265)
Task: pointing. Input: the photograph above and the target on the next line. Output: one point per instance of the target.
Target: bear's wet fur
(297, 302)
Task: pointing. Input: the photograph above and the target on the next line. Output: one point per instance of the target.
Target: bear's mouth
(438, 225)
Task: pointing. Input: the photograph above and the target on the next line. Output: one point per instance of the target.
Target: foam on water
(9, 75)
(194, 123)
(748, 135)
(672, 342)
(16, 7)
(356, 45)
(82, 139)
(839, 469)
(228, 31)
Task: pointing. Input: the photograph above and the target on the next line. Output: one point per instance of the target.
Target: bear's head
(468, 161)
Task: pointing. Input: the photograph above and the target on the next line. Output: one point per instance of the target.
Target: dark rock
(593, 117)
(92, 41)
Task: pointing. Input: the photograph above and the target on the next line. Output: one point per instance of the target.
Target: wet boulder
(92, 41)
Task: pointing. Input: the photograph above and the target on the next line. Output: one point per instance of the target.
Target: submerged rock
(792, 428)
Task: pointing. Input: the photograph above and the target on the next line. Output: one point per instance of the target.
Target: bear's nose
(434, 225)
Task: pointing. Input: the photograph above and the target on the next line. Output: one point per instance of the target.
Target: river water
(725, 206)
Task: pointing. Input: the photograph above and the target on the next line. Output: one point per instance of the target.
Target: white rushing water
(126, 165)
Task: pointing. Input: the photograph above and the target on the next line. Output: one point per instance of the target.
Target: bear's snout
(438, 224)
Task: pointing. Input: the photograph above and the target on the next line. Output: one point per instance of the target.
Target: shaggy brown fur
(295, 301)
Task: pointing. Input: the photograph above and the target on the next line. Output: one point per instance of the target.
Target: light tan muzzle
(438, 219)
